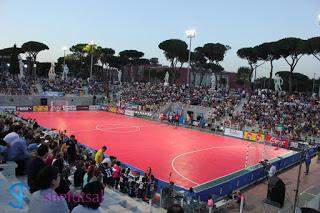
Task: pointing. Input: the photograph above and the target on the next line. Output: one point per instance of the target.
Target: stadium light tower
(91, 43)
(190, 34)
(64, 55)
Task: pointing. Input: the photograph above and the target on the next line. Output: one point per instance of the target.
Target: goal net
(59, 105)
(256, 153)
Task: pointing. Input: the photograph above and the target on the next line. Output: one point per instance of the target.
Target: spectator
(36, 165)
(89, 176)
(237, 196)
(99, 155)
(307, 161)
(79, 174)
(210, 202)
(106, 171)
(72, 149)
(91, 190)
(116, 174)
(272, 171)
(17, 151)
(64, 184)
(46, 200)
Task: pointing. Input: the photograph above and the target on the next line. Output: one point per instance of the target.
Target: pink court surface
(190, 156)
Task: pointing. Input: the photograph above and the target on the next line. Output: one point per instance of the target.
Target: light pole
(190, 34)
(35, 70)
(313, 83)
(91, 43)
(64, 55)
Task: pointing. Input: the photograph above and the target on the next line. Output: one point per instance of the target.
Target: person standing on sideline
(308, 161)
(99, 155)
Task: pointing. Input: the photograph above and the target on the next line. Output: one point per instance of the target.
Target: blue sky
(143, 24)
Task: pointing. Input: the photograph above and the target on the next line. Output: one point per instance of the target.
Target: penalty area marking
(187, 153)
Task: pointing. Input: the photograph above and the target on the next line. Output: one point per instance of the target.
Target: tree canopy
(174, 49)
(291, 50)
(32, 48)
(313, 47)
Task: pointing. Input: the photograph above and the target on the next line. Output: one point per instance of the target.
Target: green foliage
(104, 55)
(293, 48)
(214, 52)
(117, 61)
(243, 75)
(174, 49)
(14, 61)
(131, 55)
(32, 48)
(78, 50)
(43, 69)
(300, 82)
(313, 47)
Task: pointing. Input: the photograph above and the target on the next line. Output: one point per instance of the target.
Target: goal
(59, 105)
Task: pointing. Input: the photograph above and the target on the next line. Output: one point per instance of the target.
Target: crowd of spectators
(157, 95)
(73, 86)
(69, 86)
(294, 116)
(12, 85)
(62, 174)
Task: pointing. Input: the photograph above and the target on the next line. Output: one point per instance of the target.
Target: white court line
(84, 130)
(114, 128)
(304, 191)
(187, 153)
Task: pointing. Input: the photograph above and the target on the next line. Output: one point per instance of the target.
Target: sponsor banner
(51, 93)
(129, 112)
(277, 141)
(143, 113)
(55, 108)
(120, 111)
(94, 107)
(25, 108)
(8, 108)
(104, 108)
(82, 108)
(69, 108)
(253, 136)
(40, 108)
(298, 145)
(233, 133)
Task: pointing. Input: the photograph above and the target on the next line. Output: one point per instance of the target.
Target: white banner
(233, 133)
(70, 108)
(94, 107)
(294, 144)
(8, 108)
(129, 112)
(143, 113)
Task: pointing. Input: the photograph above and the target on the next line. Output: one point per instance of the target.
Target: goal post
(59, 105)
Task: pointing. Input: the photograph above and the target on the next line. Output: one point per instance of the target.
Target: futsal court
(185, 156)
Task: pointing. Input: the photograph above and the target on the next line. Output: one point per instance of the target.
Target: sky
(143, 24)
